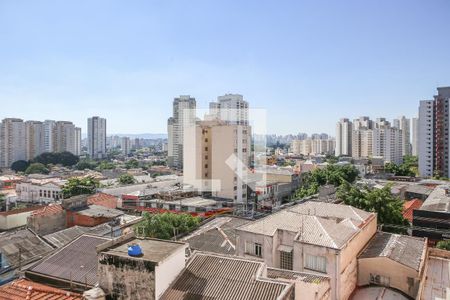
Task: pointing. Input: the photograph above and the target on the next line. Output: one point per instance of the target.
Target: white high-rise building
(344, 138)
(183, 116)
(49, 135)
(96, 137)
(77, 141)
(362, 123)
(415, 137)
(12, 141)
(426, 138)
(387, 142)
(231, 108)
(404, 124)
(34, 135)
(125, 145)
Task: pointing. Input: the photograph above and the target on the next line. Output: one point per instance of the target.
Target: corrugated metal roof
(295, 276)
(406, 250)
(222, 278)
(75, 262)
(63, 237)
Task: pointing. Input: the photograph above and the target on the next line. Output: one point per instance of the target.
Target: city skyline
(129, 62)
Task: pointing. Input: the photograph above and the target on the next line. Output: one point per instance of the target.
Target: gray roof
(75, 262)
(218, 235)
(65, 236)
(97, 211)
(418, 189)
(295, 276)
(323, 224)
(406, 250)
(438, 200)
(32, 248)
(153, 250)
(222, 278)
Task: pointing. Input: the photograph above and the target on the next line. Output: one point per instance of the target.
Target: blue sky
(308, 63)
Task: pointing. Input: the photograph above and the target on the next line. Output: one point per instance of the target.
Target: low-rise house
(432, 219)
(26, 289)
(8, 182)
(91, 215)
(409, 207)
(145, 275)
(393, 260)
(317, 237)
(42, 190)
(436, 279)
(49, 219)
(16, 218)
(103, 199)
(73, 266)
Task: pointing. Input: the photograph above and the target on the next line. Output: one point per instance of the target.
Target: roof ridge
(326, 233)
(30, 288)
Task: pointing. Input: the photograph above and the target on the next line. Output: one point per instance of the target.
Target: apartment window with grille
(316, 263)
(254, 249)
(286, 260)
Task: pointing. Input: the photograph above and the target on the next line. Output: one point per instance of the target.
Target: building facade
(96, 137)
(34, 135)
(183, 116)
(12, 141)
(344, 138)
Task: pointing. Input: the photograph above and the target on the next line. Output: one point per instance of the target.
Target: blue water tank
(134, 250)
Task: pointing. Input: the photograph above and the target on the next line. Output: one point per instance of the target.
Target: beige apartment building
(34, 135)
(12, 141)
(216, 159)
(321, 238)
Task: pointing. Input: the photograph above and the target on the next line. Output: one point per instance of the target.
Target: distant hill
(150, 136)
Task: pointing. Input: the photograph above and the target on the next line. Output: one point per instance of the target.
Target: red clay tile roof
(23, 289)
(103, 199)
(408, 208)
(48, 210)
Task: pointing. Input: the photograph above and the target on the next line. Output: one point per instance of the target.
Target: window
(286, 260)
(316, 263)
(254, 249)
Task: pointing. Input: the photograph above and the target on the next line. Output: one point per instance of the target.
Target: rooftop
(438, 200)
(48, 210)
(217, 236)
(324, 224)
(437, 277)
(153, 250)
(19, 210)
(406, 250)
(295, 276)
(221, 278)
(76, 262)
(103, 199)
(97, 211)
(25, 289)
(32, 248)
(409, 207)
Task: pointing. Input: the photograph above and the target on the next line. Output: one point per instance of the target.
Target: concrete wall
(126, 278)
(397, 273)
(313, 291)
(168, 270)
(9, 221)
(47, 224)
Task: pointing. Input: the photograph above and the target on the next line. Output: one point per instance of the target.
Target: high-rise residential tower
(434, 150)
(12, 141)
(415, 137)
(96, 137)
(183, 115)
(77, 141)
(34, 135)
(404, 124)
(231, 108)
(344, 138)
(49, 135)
(65, 137)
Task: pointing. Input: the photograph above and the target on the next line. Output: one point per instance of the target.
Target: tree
(2, 202)
(444, 245)
(388, 207)
(67, 159)
(126, 179)
(86, 164)
(80, 186)
(64, 158)
(132, 164)
(20, 166)
(37, 168)
(166, 225)
(106, 165)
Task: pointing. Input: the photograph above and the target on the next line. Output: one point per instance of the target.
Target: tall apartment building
(434, 134)
(34, 139)
(49, 135)
(344, 138)
(387, 142)
(64, 137)
(183, 116)
(96, 137)
(12, 141)
(125, 145)
(321, 144)
(231, 108)
(362, 140)
(217, 155)
(362, 123)
(415, 137)
(404, 124)
(77, 150)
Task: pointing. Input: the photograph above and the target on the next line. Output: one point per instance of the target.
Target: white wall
(168, 270)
